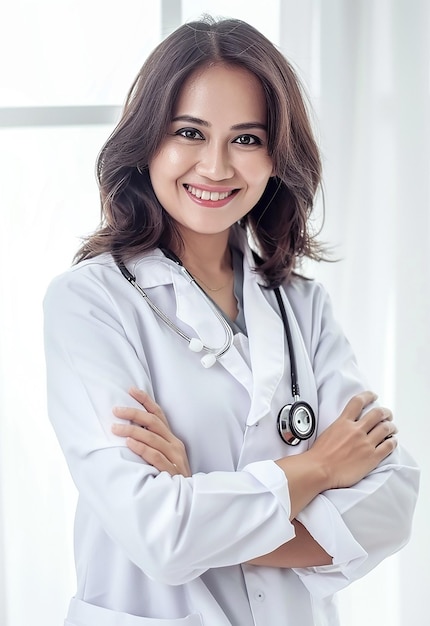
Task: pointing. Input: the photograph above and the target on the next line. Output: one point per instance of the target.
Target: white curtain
(366, 64)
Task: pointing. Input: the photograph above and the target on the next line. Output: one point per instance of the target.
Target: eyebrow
(196, 120)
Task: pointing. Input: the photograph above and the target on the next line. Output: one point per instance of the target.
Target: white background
(366, 67)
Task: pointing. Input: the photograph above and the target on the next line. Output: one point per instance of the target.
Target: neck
(209, 253)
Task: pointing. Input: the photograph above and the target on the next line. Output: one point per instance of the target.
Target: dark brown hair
(132, 218)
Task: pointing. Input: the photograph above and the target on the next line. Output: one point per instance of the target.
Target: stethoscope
(296, 421)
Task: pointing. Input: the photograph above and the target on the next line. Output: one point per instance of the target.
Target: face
(213, 165)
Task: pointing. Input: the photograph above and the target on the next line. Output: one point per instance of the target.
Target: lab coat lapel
(193, 310)
(268, 347)
(266, 342)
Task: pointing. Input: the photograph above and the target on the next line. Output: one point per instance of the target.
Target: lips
(206, 194)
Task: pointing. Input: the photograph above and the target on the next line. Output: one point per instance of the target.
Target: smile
(213, 196)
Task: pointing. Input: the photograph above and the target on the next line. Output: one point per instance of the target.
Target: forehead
(222, 93)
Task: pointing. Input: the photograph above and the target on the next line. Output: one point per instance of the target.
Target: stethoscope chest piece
(296, 422)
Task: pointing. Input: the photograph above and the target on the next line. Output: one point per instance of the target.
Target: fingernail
(119, 409)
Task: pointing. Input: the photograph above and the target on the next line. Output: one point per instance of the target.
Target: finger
(140, 434)
(148, 438)
(355, 406)
(146, 401)
(152, 456)
(375, 416)
(175, 469)
(157, 458)
(382, 431)
(138, 416)
(141, 422)
(386, 447)
(172, 447)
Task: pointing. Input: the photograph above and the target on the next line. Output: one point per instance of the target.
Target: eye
(248, 140)
(189, 133)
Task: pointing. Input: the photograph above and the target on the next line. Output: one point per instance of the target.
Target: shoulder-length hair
(133, 221)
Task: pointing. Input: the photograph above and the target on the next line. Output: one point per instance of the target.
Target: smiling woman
(193, 509)
(274, 134)
(207, 176)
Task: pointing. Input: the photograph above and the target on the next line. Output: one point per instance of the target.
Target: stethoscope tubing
(295, 390)
(217, 352)
(296, 422)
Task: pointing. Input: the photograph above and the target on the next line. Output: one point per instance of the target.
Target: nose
(215, 162)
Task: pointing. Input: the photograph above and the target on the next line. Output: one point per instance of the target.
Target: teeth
(214, 196)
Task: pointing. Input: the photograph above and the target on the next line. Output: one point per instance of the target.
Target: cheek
(167, 161)
(163, 170)
(259, 171)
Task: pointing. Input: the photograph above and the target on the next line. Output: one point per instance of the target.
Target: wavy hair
(132, 219)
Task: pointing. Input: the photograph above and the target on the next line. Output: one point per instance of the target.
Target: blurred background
(65, 69)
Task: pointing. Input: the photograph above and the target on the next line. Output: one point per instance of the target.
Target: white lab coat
(157, 550)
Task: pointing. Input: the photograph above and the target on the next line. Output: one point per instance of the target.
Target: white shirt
(156, 550)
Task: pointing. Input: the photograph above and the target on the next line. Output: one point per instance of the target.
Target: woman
(206, 515)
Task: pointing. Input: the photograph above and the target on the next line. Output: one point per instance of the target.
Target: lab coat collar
(198, 320)
(193, 310)
(267, 341)
(155, 270)
(152, 270)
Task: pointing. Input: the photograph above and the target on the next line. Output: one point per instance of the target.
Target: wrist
(306, 477)
(320, 469)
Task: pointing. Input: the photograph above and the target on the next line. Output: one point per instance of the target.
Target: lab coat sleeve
(362, 525)
(172, 528)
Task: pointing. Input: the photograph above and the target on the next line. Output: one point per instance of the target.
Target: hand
(343, 454)
(353, 446)
(150, 437)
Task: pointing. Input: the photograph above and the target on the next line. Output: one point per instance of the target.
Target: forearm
(306, 479)
(302, 551)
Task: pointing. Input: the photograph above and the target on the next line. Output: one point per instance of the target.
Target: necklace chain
(211, 288)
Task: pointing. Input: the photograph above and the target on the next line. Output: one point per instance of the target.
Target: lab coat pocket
(84, 614)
